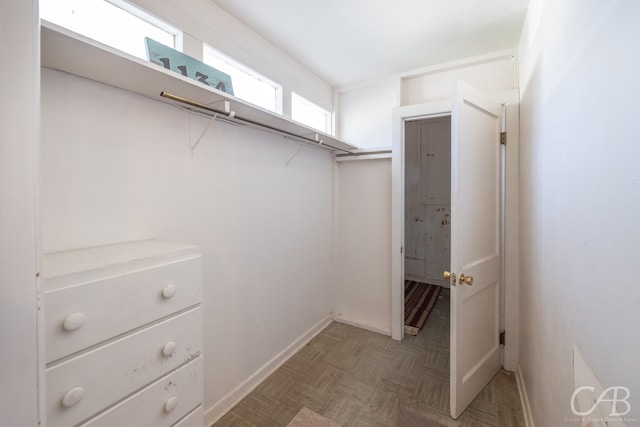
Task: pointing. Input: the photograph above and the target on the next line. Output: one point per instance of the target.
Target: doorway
(403, 116)
(427, 199)
(427, 216)
(510, 219)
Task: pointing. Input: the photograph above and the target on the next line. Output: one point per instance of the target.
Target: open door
(475, 245)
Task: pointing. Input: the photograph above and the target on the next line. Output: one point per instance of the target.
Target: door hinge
(401, 248)
(502, 338)
(503, 138)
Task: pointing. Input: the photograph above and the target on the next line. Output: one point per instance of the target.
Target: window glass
(247, 84)
(310, 114)
(108, 22)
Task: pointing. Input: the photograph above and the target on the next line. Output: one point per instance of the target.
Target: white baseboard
(384, 330)
(524, 398)
(219, 409)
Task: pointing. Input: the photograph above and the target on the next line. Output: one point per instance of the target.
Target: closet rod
(231, 116)
(192, 103)
(364, 153)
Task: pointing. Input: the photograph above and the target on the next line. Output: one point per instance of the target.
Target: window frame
(138, 13)
(178, 35)
(231, 62)
(328, 127)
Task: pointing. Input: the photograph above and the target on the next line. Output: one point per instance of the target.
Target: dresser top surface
(60, 264)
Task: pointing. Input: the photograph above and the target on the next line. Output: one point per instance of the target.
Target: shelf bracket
(295, 154)
(213, 119)
(311, 136)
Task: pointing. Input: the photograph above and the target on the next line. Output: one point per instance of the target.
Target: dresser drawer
(163, 403)
(85, 314)
(194, 419)
(86, 384)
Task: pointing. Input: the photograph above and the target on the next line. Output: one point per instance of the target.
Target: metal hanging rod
(230, 115)
(195, 103)
(364, 153)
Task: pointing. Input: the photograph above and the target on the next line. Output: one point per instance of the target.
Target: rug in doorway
(419, 299)
(307, 418)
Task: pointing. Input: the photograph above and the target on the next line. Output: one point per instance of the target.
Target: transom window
(247, 84)
(113, 22)
(310, 114)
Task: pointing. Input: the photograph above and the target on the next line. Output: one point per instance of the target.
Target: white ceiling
(350, 41)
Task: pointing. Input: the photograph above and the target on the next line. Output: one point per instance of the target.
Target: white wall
(488, 73)
(364, 115)
(364, 111)
(19, 238)
(118, 167)
(580, 201)
(363, 244)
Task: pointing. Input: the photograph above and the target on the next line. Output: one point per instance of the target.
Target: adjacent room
(230, 213)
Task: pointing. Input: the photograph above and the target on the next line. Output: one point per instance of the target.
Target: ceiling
(350, 41)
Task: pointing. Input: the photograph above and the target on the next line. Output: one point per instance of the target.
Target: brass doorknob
(466, 279)
(450, 276)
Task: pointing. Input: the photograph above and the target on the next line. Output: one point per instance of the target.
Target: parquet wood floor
(359, 378)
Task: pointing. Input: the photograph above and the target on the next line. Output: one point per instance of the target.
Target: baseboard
(219, 409)
(524, 398)
(384, 330)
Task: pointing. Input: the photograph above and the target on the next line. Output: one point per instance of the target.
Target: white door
(475, 245)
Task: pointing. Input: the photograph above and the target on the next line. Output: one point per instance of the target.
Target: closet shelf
(72, 53)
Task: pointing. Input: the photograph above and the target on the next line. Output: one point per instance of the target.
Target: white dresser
(123, 335)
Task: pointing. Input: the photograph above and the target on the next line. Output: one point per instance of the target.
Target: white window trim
(148, 17)
(229, 60)
(327, 114)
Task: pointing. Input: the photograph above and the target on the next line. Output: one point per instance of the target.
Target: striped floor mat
(419, 299)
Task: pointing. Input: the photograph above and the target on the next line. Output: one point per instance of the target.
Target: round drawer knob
(169, 291)
(73, 322)
(171, 404)
(169, 348)
(72, 397)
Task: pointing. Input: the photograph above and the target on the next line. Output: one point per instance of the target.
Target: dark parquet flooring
(359, 378)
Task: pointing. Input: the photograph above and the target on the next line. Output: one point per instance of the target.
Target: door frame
(509, 222)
